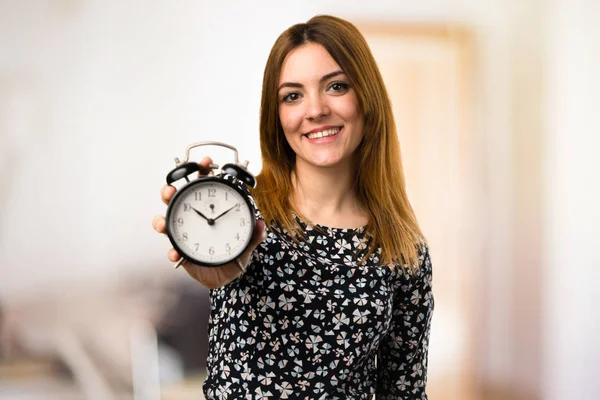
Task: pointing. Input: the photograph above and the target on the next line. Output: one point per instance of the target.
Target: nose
(316, 107)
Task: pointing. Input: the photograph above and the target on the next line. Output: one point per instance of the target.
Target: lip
(322, 128)
(326, 140)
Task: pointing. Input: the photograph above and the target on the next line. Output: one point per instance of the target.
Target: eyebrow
(299, 85)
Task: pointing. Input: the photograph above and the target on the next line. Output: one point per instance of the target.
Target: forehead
(307, 63)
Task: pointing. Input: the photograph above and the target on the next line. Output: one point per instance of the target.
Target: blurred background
(496, 104)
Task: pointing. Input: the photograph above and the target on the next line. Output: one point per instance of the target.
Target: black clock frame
(187, 187)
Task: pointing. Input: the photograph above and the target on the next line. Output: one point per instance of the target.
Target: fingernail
(264, 234)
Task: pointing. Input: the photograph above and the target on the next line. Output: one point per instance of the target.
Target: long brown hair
(379, 182)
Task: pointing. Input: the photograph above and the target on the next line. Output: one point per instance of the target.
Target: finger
(159, 224)
(205, 165)
(166, 193)
(173, 255)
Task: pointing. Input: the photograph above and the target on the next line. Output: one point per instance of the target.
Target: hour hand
(209, 220)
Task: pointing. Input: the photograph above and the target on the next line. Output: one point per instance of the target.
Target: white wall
(115, 90)
(107, 93)
(97, 97)
(104, 94)
(572, 193)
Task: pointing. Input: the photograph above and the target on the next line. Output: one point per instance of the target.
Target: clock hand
(225, 212)
(209, 220)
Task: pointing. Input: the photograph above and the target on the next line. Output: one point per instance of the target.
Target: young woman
(335, 300)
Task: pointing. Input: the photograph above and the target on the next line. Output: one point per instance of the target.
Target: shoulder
(424, 266)
(420, 271)
(423, 252)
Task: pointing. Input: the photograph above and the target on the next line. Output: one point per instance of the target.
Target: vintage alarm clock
(210, 220)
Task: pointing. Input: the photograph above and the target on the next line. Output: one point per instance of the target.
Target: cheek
(290, 120)
(352, 113)
(349, 108)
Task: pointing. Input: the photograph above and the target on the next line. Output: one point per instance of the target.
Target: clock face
(210, 222)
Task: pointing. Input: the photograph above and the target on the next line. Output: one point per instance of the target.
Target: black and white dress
(306, 321)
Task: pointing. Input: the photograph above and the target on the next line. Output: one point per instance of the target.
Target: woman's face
(318, 108)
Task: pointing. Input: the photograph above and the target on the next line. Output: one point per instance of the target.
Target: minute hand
(225, 212)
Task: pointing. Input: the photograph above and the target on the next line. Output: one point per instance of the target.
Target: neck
(326, 196)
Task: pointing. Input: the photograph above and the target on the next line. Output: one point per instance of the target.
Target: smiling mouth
(323, 133)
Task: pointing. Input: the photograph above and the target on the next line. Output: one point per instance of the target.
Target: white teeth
(325, 133)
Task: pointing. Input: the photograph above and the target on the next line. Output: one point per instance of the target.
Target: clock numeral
(242, 222)
(197, 196)
(187, 206)
(226, 196)
(212, 192)
(237, 207)
(211, 251)
(184, 236)
(179, 221)
(227, 248)
(237, 236)
(197, 246)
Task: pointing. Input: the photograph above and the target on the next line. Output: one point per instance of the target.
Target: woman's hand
(211, 277)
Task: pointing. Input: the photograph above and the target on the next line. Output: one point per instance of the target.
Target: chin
(324, 163)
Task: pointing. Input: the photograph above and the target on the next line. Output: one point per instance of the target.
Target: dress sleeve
(402, 355)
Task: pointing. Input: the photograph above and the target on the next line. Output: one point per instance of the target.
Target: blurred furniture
(102, 342)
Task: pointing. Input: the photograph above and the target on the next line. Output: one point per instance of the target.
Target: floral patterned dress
(307, 321)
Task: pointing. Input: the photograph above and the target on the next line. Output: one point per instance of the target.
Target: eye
(290, 97)
(339, 87)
